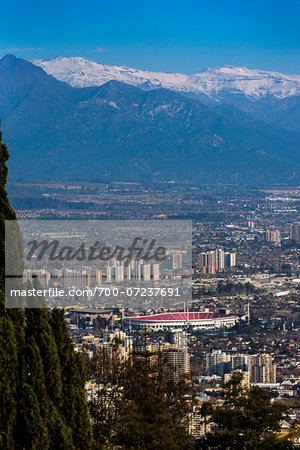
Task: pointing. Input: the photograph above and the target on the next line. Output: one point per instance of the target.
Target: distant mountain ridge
(120, 132)
(269, 96)
(81, 72)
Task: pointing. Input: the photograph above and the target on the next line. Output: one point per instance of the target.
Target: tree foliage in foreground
(42, 397)
(247, 420)
(140, 403)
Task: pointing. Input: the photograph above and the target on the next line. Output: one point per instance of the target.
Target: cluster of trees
(42, 378)
(143, 404)
(226, 288)
(247, 420)
(139, 403)
(230, 288)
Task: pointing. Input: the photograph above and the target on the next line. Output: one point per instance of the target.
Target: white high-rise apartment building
(108, 273)
(146, 272)
(176, 259)
(155, 272)
(119, 273)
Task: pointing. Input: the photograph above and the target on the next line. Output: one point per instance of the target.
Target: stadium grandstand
(181, 319)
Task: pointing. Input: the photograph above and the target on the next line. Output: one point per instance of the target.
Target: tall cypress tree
(42, 394)
(10, 332)
(74, 404)
(8, 379)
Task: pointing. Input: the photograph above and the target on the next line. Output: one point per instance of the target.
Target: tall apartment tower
(179, 338)
(176, 259)
(203, 259)
(230, 259)
(273, 236)
(263, 369)
(155, 272)
(146, 272)
(220, 259)
(95, 277)
(245, 381)
(108, 273)
(179, 360)
(218, 363)
(127, 272)
(137, 270)
(211, 259)
(198, 425)
(119, 273)
(295, 232)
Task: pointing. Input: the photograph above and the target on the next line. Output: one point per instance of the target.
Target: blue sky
(183, 36)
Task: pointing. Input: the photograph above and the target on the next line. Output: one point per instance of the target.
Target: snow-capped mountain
(214, 83)
(120, 132)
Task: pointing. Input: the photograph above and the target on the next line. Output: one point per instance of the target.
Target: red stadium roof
(181, 316)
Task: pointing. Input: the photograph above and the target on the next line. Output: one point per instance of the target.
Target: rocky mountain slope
(269, 96)
(117, 131)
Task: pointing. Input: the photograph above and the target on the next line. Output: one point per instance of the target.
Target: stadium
(179, 320)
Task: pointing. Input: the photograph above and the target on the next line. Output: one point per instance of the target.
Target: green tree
(8, 380)
(154, 407)
(140, 403)
(73, 375)
(32, 431)
(42, 396)
(247, 420)
(106, 372)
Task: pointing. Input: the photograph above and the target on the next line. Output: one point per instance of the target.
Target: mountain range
(132, 130)
(81, 72)
(269, 96)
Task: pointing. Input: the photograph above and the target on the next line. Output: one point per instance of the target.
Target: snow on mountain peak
(81, 72)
